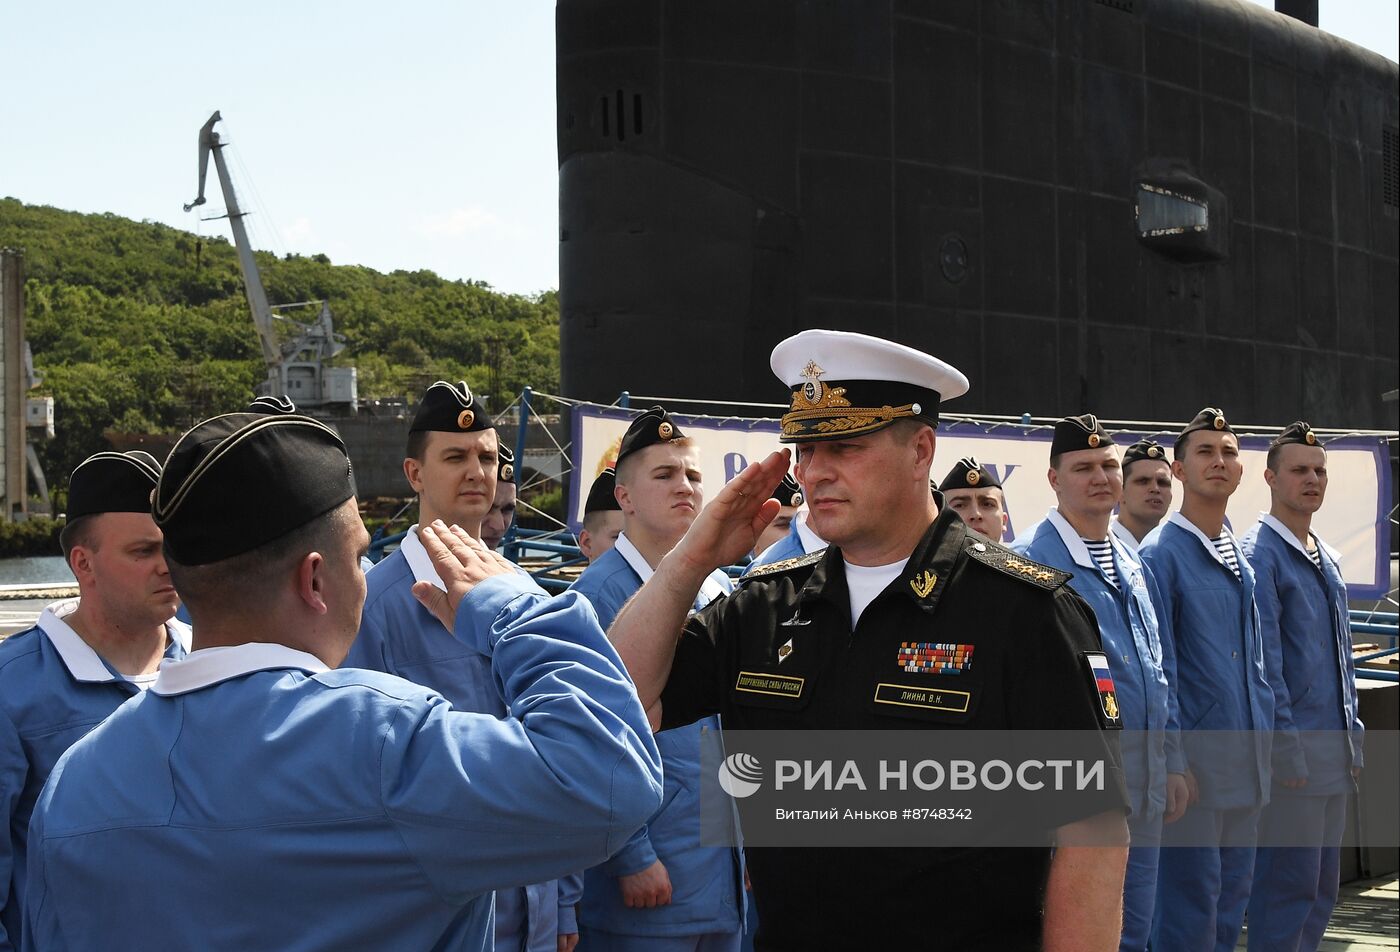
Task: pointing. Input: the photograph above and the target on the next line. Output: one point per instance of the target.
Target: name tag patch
(774, 684)
(933, 657)
(935, 699)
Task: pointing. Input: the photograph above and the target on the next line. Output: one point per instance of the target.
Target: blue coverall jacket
(254, 800)
(53, 689)
(707, 886)
(1138, 657)
(1307, 646)
(1221, 680)
(791, 546)
(399, 636)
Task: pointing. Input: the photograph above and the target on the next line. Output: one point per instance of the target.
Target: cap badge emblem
(1310, 438)
(664, 430)
(973, 477)
(1093, 440)
(1219, 423)
(507, 471)
(812, 389)
(1154, 452)
(465, 419)
(796, 499)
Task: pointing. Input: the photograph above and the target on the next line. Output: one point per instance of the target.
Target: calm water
(39, 569)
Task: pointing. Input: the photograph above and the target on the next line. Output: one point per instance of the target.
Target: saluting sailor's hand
(729, 526)
(462, 562)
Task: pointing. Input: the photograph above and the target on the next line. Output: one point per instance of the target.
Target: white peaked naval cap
(847, 384)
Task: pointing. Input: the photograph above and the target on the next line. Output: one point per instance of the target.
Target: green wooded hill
(140, 327)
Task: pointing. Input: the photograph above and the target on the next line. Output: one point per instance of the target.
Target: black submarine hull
(1133, 207)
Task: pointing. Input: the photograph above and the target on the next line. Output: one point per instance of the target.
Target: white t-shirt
(143, 681)
(867, 581)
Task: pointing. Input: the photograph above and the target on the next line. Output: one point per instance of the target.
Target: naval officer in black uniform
(831, 625)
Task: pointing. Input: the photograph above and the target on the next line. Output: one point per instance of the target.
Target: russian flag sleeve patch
(1102, 680)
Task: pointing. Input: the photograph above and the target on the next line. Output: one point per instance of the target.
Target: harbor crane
(296, 365)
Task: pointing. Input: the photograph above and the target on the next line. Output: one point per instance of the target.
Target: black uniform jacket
(1030, 633)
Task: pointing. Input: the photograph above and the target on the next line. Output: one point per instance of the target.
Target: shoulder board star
(773, 568)
(1005, 560)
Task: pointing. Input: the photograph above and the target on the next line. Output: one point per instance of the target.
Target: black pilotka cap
(239, 481)
(601, 497)
(272, 405)
(450, 408)
(1298, 432)
(969, 474)
(652, 427)
(1210, 418)
(1083, 432)
(112, 482)
(788, 492)
(505, 465)
(1143, 450)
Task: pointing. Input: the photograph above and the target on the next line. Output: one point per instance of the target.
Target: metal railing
(547, 554)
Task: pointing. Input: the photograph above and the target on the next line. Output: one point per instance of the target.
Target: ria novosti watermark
(1003, 788)
(741, 775)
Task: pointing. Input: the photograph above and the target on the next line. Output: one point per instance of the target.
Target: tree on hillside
(138, 326)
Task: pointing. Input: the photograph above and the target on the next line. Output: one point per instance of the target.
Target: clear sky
(411, 136)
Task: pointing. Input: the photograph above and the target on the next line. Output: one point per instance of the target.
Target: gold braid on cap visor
(832, 413)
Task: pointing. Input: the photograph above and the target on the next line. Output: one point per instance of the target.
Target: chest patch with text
(776, 685)
(933, 699)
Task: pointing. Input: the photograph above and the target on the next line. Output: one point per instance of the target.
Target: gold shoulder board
(773, 568)
(1017, 566)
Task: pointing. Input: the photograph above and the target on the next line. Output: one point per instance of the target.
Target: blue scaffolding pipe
(379, 543)
(558, 548)
(1380, 618)
(508, 544)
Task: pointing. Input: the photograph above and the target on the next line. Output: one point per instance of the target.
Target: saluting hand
(729, 526)
(462, 562)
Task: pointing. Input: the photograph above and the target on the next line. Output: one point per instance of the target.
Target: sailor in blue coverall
(799, 540)
(1147, 493)
(1317, 734)
(1087, 480)
(254, 799)
(663, 890)
(1226, 703)
(602, 518)
(784, 524)
(86, 656)
(453, 463)
(976, 495)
